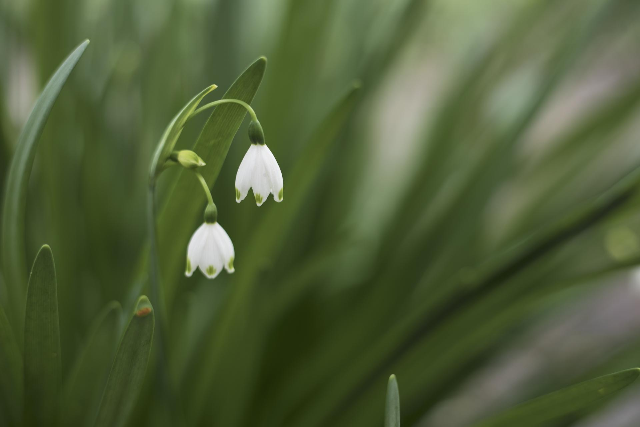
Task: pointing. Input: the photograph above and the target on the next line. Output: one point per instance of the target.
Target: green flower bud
(188, 159)
(256, 134)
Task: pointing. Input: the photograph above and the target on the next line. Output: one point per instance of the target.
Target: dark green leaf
(177, 220)
(563, 402)
(267, 239)
(42, 343)
(129, 367)
(11, 368)
(15, 199)
(82, 390)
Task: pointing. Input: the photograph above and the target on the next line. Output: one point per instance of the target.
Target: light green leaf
(11, 368)
(42, 343)
(392, 410)
(129, 367)
(563, 402)
(15, 202)
(82, 390)
(173, 131)
(186, 202)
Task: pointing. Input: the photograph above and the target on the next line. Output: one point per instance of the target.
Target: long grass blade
(129, 367)
(181, 214)
(563, 402)
(11, 380)
(42, 372)
(392, 409)
(83, 388)
(15, 199)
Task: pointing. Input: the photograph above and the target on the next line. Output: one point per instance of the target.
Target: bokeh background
(477, 124)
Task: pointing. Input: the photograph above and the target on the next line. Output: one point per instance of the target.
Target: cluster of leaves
(334, 290)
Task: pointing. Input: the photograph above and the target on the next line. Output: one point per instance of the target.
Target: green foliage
(42, 372)
(129, 366)
(392, 409)
(83, 387)
(11, 377)
(563, 402)
(482, 180)
(15, 197)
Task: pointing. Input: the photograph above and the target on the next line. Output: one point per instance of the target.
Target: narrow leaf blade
(82, 390)
(11, 385)
(563, 402)
(181, 212)
(42, 343)
(129, 368)
(15, 202)
(173, 131)
(392, 411)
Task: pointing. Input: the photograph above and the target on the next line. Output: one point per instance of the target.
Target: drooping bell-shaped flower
(210, 248)
(259, 170)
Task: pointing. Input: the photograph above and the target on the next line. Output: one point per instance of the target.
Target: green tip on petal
(211, 271)
(188, 266)
(281, 194)
(230, 264)
(259, 199)
(237, 195)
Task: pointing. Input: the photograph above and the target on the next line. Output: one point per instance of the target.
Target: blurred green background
(478, 125)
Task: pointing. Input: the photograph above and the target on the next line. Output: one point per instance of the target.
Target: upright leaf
(82, 390)
(563, 402)
(233, 335)
(42, 343)
(392, 409)
(11, 368)
(129, 367)
(173, 131)
(181, 212)
(15, 202)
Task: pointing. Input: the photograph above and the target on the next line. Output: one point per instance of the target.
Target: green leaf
(267, 238)
(129, 367)
(563, 402)
(186, 202)
(173, 131)
(392, 409)
(82, 390)
(11, 368)
(42, 343)
(15, 202)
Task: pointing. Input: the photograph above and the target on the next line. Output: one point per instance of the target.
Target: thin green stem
(226, 101)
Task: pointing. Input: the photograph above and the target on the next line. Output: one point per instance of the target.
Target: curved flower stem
(205, 187)
(226, 101)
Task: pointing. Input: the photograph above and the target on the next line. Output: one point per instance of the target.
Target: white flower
(259, 170)
(210, 249)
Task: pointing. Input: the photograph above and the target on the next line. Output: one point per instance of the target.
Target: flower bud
(188, 159)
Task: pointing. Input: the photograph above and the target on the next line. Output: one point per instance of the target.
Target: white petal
(260, 178)
(274, 173)
(245, 172)
(226, 247)
(194, 251)
(211, 261)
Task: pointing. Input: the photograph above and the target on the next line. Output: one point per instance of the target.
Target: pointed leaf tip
(144, 307)
(392, 410)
